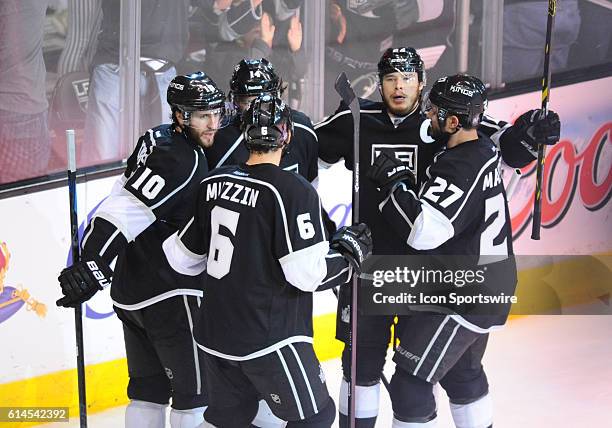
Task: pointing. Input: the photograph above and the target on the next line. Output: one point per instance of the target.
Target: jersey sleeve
(186, 250)
(309, 138)
(301, 245)
(154, 177)
(441, 209)
(515, 153)
(334, 134)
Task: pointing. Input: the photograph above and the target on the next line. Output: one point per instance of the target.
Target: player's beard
(203, 138)
(437, 134)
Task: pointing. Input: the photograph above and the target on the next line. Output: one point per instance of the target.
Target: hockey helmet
(195, 91)
(266, 124)
(460, 95)
(254, 77)
(403, 60)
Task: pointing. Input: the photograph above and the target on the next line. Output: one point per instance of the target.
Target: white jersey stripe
(88, 234)
(230, 151)
(196, 358)
(159, 298)
(399, 209)
(257, 354)
(291, 383)
(306, 380)
(110, 240)
(306, 128)
(323, 234)
(187, 226)
(474, 327)
(346, 269)
(431, 342)
(448, 342)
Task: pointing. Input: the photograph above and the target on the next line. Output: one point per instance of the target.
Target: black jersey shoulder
(162, 149)
(300, 117)
(473, 152)
(465, 162)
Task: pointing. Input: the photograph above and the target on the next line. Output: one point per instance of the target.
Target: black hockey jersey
(258, 234)
(148, 203)
(461, 209)
(302, 157)
(409, 142)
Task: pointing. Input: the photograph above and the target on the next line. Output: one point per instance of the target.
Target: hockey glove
(532, 131)
(354, 243)
(82, 280)
(387, 170)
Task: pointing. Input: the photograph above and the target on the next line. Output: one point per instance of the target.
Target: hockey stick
(78, 313)
(537, 201)
(344, 89)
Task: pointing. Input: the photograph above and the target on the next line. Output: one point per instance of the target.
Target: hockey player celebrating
(251, 78)
(461, 209)
(397, 127)
(258, 235)
(156, 305)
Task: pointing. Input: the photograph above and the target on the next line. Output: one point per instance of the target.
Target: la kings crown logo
(407, 153)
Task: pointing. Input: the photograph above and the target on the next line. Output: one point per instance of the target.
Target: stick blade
(344, 89)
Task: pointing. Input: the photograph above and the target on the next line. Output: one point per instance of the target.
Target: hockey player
(397, 127)
(147, 204)
(258, 235)
(461, 209)
(251, 78)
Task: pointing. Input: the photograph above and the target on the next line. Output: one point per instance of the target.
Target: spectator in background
(525, 35)
(164, 33)
(281, 40)
(355, 35)
(24, 134)
(255, 29)
(84, 18)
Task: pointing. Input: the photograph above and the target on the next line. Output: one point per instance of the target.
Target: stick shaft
(537, 201)
(74, 243)
(354, 290)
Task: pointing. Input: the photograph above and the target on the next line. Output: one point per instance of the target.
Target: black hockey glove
(532, 131)
(354, 243)
(82, 280)
(388, 170)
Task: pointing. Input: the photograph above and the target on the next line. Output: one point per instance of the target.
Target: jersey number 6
(221, 248)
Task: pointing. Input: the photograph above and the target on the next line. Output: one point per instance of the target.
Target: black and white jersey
(408, 140)
(258, 234)
(148, 203)
(229, 148)
(461, 209)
